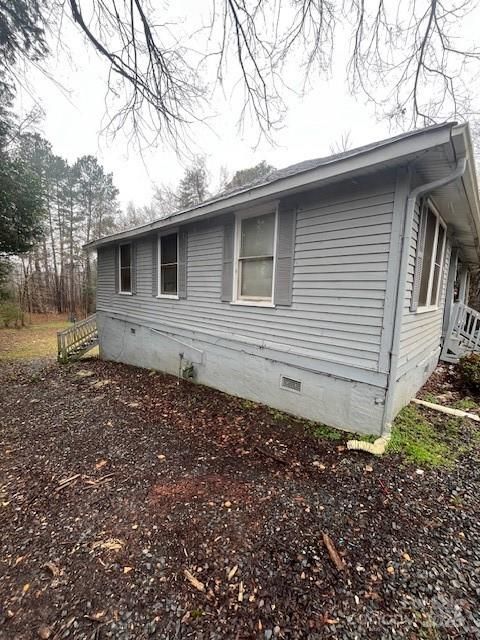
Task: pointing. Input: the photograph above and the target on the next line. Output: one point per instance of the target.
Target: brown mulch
(115, 483)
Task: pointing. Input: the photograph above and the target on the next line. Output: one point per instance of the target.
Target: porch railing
(463, 335)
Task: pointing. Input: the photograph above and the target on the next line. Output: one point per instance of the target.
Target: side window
(168, 265)
(125, 268)
(256, 255)
(433, 258)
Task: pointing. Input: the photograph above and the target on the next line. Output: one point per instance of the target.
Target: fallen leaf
(112, 544)
(84, 373)
(406, 557)
(194, 581)
(227, 504)
(101, 463)
(44, 632)
(318, 464)
(100, 384)
(232, 572)
(127, 569)
(240, 592)
(368, 468)
(160, 456)
(26, 587)
(52, 567)
(97, 616)
(18, 560)
(390, 570)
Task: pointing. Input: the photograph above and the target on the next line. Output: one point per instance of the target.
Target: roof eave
(395, 150)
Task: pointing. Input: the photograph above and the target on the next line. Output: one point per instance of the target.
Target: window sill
(427, 309)
(125, 293)
(253, 303)
(168, 296)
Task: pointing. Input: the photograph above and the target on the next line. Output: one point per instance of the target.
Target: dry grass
(37, 340)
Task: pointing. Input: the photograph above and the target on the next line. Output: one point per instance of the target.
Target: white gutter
(386, 152)
(402, 277)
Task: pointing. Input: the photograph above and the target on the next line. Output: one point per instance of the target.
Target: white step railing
(463, 334)
(74, 341)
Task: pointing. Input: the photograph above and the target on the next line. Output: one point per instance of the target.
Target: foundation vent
(290, 384)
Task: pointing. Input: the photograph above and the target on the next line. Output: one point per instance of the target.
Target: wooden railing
(78, 339)
(463, 335)
(466, 326)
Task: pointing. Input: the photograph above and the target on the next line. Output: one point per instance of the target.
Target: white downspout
(402, 275)
(378, 446)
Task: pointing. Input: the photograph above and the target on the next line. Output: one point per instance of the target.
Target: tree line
(50, 208)
(70, 204)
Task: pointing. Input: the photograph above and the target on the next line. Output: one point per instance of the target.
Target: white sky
(73, 123)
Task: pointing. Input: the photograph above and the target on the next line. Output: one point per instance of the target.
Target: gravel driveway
(132, 506)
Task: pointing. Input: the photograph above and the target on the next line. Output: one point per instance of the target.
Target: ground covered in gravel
(132, 506)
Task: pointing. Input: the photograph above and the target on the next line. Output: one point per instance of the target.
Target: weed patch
(423, 442)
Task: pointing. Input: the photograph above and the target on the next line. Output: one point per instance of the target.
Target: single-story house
(326, 290)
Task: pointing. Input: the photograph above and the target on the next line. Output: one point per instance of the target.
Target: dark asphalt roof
(308, 165)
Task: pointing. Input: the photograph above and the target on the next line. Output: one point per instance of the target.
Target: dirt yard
(132, 506)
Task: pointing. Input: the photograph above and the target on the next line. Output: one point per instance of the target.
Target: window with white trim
(433, 258)
(168, 263)
(255, 258)
(125, 268)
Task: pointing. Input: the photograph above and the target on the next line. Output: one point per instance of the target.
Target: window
(256, 258)
(169, 265)
(433, 256)
(125, 268)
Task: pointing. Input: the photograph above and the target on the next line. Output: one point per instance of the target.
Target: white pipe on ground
(448, 410)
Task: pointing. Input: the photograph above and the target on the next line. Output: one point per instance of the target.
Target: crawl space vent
(290, 384)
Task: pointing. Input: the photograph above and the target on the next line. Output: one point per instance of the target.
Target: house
(325, 290)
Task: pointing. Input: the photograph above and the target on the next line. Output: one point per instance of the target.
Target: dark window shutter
(155, 266)
(134, 267)
(228, 251)
(417, 274)
(116, 258)
(182, 264)
(284, 256)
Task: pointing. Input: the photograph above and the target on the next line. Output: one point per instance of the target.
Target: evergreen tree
(249, 175)
(193, 188)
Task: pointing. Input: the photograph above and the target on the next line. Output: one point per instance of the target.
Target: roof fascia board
(462, 143)
(311, 178)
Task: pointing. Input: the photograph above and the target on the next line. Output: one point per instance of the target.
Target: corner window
(125, 268)
(256, 252)
(168, 257)
(433, 257)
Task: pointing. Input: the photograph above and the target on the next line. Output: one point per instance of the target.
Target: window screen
(255, 268)
(125, 268)
(169, 264)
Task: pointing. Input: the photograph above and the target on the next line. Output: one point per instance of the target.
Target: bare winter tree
(412, 58)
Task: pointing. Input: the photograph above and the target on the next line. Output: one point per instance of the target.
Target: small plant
(323, 432)
(465, 404)
(10, 313)
(469, 370)
(423, 443)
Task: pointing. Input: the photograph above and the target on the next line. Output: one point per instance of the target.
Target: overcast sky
(75, 114)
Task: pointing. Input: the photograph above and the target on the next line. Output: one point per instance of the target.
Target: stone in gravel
(44, 632)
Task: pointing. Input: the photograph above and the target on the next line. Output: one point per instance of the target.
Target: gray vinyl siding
(339, 279)
(420, 332)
